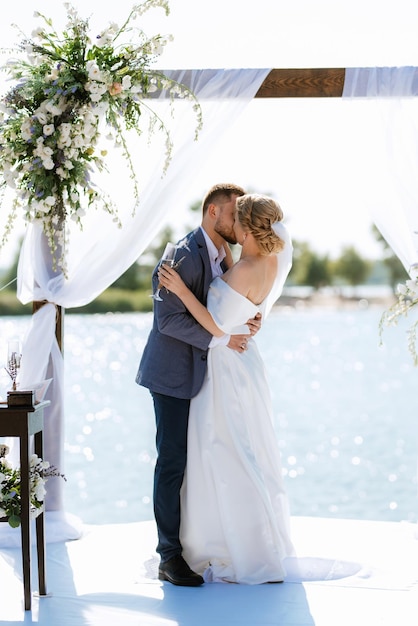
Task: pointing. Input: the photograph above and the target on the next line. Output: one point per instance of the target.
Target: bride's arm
(171, 280)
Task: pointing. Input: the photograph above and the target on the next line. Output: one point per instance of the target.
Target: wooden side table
(22, 422)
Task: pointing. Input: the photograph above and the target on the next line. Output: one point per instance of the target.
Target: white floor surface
(347, 573)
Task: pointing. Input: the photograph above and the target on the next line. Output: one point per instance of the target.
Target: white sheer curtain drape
(384, 114)
(100, 253)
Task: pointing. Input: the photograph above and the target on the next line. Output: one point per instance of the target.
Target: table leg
(40, 529)
(25, 518)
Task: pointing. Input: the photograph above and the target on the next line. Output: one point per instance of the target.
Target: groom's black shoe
(176, 571)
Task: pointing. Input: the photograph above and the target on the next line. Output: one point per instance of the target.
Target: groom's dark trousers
(171, 416)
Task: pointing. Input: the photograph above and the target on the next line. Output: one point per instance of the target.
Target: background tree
(351, 267)
(309, 267)
(395, 269)
(10, 273)
(138, 276)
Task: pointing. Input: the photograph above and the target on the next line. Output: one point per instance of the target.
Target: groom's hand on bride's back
(239, 342)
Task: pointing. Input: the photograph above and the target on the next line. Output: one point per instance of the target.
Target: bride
(235, 517)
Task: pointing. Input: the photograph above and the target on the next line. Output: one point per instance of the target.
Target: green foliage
(10, 305)
(138, 276)
(396, 271)
(118, 301)
(309, 268)
(351, 267)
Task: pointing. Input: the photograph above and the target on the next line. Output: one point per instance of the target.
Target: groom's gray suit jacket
(175, 356)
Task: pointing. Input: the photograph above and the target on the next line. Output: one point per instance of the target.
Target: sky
(292, 149)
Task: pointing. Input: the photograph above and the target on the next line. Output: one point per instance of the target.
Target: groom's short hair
(219, 192)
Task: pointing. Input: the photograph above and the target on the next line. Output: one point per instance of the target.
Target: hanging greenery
(65, 85)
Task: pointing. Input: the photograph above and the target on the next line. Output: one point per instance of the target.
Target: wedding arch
(384, 132)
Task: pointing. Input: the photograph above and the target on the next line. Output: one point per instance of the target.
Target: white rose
(48, 164)
(94, 72)
(48, 129)
(78, 141)
(65, 129)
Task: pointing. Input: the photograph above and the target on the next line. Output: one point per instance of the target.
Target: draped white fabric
(385, 152)
(100, 253)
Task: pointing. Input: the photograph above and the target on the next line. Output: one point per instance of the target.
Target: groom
(173, 367)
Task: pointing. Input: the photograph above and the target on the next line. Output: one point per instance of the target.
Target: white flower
(48, 164)
(41, 116)
(94, 72)
(53, 75)
(65, 129)
(26, 129)
(4, 449)
(53, 151)
(10, 178)
(412, 285)
(62, 173)
(54, 108)
(38, 32)
(78, 141)
(126, 82)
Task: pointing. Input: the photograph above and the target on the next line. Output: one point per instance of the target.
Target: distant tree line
(131, 291)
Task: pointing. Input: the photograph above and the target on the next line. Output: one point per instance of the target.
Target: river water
(345, 411)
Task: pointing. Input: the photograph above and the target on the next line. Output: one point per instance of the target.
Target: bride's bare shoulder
(240, 276)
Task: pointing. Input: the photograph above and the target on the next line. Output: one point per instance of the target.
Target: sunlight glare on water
(345, 413)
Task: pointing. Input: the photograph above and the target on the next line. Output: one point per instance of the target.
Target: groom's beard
(227, 233)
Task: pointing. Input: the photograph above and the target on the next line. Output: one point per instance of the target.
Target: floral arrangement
(68, 89)
(407, 299)
(10, 497)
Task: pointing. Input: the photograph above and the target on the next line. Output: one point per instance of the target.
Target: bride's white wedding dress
(235, 517)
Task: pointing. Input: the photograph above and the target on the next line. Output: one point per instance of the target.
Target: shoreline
(335, 301)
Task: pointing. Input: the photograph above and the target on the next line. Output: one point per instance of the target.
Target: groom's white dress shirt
(216, 257)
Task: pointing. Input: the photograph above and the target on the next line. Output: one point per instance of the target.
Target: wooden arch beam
(303, 83)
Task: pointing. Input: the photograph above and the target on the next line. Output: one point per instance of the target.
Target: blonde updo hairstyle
(257, 213)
